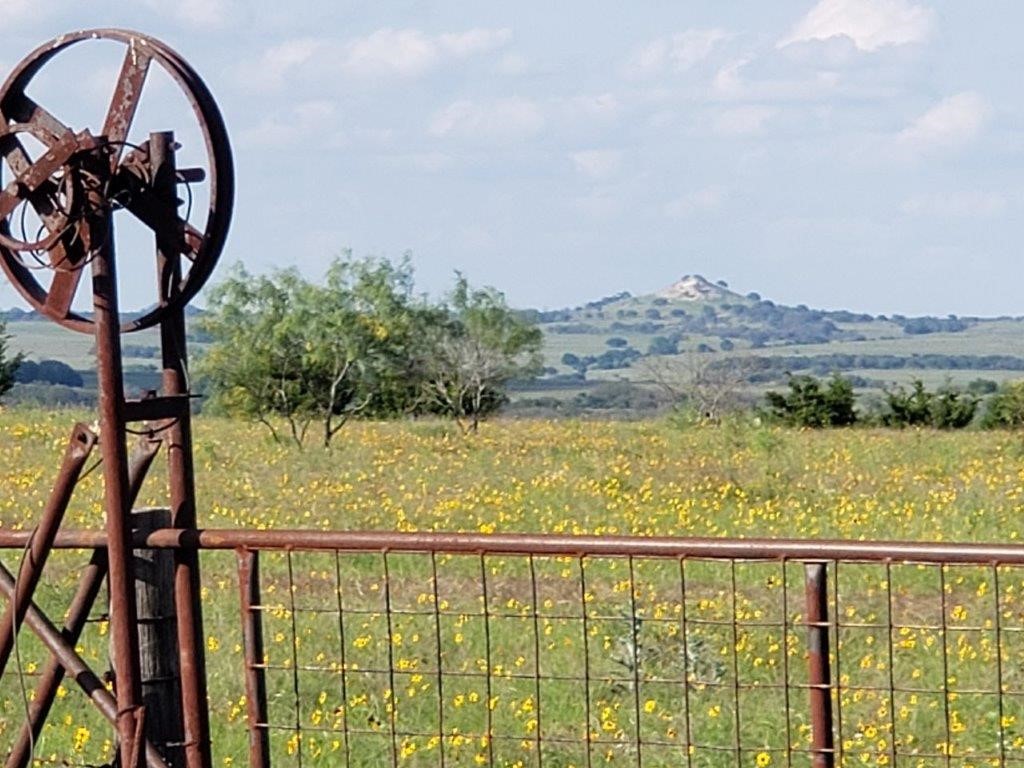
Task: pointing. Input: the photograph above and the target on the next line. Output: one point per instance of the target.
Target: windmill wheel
(66, 179)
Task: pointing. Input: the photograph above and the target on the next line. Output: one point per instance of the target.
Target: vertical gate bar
(109, 372)
(684, 630)
(296, 689)
(785, 665)
(80, 445)
(734, 626)
(181, 472)
(389, 616)
(945, 667)
(78, 614)
(252, 648)
(340, 597)
(634, 628)
(438, 656)
(891, 662)
(586, 660)
(998, 625)
(819, 675)
(536, 662)
(488, 658)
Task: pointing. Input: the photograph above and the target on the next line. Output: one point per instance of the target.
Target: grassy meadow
(564, 662)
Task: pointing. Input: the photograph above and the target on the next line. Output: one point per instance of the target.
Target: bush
(1006, 407)
(809, 403)
(946, 408)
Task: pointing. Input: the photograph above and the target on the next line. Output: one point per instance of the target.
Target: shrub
(1006, 407)
(809, 403)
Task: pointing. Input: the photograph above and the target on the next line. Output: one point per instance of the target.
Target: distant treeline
(825, 364)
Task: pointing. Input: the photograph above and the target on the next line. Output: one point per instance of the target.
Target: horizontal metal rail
(804, 550)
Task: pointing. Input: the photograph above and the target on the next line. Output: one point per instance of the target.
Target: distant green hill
(617, 338)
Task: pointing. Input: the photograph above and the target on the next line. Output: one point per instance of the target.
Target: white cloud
(730, 84)
(281, 60)
(678, 52)
(411, 53)
(952, 122)
(197, 13)
(870, 24)
(596, 163)
(601, 105)
(473, 41)
(499, 120)
(402, 52)
(307, 119)
(727, 80)
(963, 204)
(698, 201)
(513, 64)
(743, 121)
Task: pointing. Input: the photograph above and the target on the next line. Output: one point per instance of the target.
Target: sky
(860, 154)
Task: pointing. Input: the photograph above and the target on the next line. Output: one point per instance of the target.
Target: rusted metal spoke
(20, 108)
(62, 291)
(126, 97)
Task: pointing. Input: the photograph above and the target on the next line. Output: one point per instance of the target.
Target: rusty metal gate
(364, 648)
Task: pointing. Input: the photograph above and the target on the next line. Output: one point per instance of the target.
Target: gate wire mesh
(454, 659)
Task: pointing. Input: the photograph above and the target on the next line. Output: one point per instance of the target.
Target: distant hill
(613, 338)
(612, 341)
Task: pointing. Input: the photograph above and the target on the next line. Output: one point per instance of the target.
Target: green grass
(644, 478)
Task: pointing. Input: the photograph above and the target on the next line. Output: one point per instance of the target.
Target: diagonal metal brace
(74, 664)
(79, 447)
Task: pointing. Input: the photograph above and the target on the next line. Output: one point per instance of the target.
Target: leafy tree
(8, 364)
(1006, 407)
(810, 404)
(468, 358)
(306, 352)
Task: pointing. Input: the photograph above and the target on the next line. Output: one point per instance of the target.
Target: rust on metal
(819, 676)
(89, 586)
(252, 643)
(80, 445)
(74, 186)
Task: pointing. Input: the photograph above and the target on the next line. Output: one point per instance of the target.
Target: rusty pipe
(38, 548)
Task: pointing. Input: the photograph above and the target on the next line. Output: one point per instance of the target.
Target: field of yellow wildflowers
(551, 618)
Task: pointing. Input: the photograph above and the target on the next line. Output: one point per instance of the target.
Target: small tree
(809, 404)
(708, 386)
(306, 352)
(8, 364)
(469, 357)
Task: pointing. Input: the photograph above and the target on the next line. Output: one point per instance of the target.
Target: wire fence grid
(328, 649)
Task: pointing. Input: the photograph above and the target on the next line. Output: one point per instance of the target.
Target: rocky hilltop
(694, 288)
